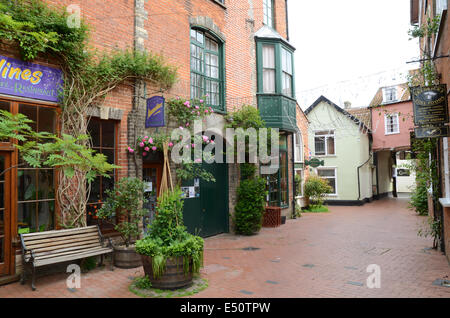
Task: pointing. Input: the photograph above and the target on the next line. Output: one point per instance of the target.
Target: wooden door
(5, 214)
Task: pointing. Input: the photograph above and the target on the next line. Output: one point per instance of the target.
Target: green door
(207, 214)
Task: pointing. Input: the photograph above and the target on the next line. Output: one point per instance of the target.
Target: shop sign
(24, 79)
(314, 162)
(155, 112)
(431, 132)
(430, 105)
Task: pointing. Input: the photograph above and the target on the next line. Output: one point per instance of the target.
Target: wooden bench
(52, 247)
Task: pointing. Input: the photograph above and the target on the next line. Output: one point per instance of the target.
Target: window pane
(31, 113)
(26, 216)
(94, 131)
(46, 215)
(109, 153)
(319, 145)
(326, 172)
(269, 81)
(46, 184)
(268, 52)
(330, 145)
(273, 190)
(4, 106)
(283, 178)
(108, 134)
(27, 184)
(94, 196)
(287, 84)
(332, 183)
(47, 120)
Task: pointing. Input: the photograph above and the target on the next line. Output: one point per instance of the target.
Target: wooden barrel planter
(126, 257)
(173, 277)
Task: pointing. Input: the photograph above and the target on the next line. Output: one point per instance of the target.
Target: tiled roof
(402, 92)
(363, 114)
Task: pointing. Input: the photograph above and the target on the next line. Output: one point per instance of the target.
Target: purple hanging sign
(155, 112)
(25, 79)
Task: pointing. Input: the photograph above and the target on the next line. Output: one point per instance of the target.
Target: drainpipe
(287, 21)
(294, 190)
(359, 183)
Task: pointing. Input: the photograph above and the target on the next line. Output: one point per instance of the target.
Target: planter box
(126, 257)
(272, 216)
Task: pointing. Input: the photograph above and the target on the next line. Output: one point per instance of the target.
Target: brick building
(243, 45)
(439, 48)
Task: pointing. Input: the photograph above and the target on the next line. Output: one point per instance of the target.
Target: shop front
(27, 194)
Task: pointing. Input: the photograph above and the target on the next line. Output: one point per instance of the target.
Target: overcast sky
(347, 49)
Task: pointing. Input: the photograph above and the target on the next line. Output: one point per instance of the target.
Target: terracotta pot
(173, 277)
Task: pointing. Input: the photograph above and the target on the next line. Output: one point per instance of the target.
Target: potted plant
(170, 255)
(316, 189)
(124, 205)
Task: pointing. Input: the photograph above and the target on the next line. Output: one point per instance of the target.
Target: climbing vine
(89, 75)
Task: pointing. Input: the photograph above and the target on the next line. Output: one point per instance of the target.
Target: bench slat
(64, 246)
(41, 257)
(57, 233)
(71, 257)
(78, 249)
(61, 241)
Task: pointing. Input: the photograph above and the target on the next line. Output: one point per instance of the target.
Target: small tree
(316, 188)
(124, 203)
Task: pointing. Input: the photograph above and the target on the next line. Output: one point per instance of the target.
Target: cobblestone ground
(317, 255)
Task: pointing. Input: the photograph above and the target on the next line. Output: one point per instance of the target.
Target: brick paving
(317, 255)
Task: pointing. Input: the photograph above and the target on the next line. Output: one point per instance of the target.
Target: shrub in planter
(167, 243)
(316, 188)
(250, 207)
(124, 205)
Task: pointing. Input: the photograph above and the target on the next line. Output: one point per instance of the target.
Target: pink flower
(198, 160)
(196, 107)
(181, 127)
(154, 148)
(151, 140)
(201, 101)
(198, 113)
(141, 144)
(170, 144)
(212, 141)
(147, 149)
(193, 145)
(187, 124)
(144, 153)
(146, 137)
(187, 146)
(131, 150)
(187, 103)
(178, 98)
(206, 111)
(205, 138)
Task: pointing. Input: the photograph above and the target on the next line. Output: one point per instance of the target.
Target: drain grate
(250, 248)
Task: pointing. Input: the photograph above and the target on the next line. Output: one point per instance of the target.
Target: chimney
(347, 105)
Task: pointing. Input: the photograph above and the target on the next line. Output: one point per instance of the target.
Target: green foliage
(125, 203)
(249, 210)
(433, 228)
(185, 112)
(427, 29)
(246, 117)
(316, 188)
(167, 236)
(247, 170)
(88, 264)
(298, 184)
(316, 209)
(419, 198)
(143, 282)
(191, 170)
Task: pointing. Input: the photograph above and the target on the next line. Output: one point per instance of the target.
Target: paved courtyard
(317, 255)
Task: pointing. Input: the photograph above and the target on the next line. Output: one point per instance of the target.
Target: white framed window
(268, 12)
(389, 94)
(391, 124)
(298, 147)
(329, 174)
(324, 143)
(299, 190)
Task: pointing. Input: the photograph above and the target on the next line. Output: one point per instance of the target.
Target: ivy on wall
(89, 75)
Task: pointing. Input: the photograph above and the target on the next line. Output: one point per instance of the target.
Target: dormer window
(389, 94)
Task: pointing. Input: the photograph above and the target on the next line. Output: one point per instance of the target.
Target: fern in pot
(170, 255)
(123, 208)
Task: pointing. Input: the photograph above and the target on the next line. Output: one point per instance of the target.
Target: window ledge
(325, 156)
(445, 202)
(393, 133)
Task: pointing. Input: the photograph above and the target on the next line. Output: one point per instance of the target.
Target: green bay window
(268, 16)
(207, 69)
